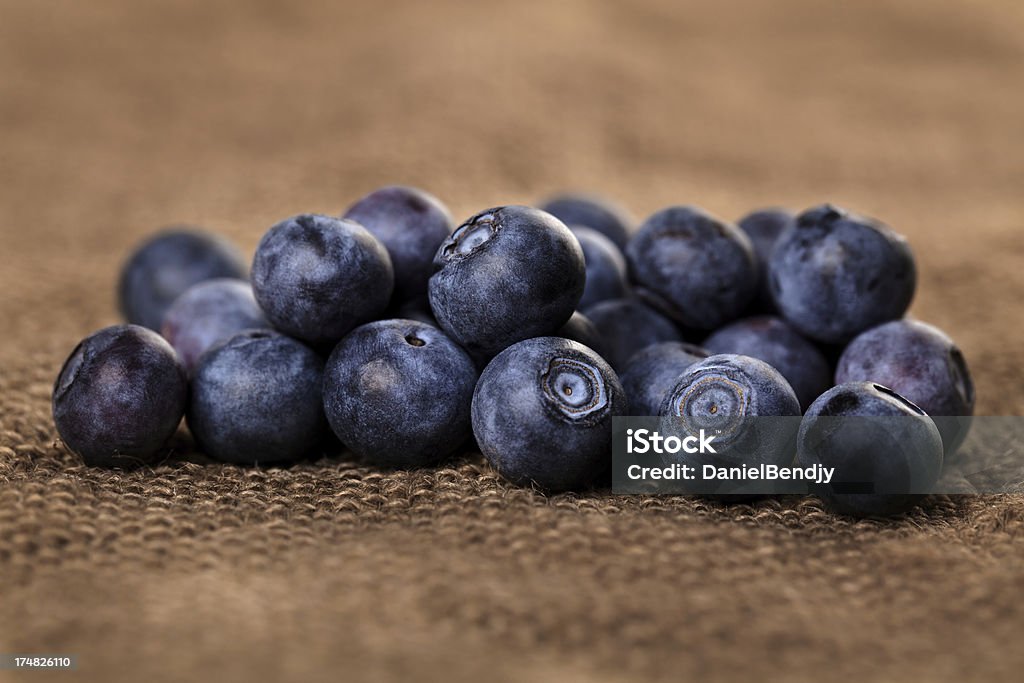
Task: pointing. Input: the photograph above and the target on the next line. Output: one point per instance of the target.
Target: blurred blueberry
(919, 362)
(542, 413)
(256, 398)
(592, 212)
(763, 228)
(119, 397)
(412, 224)
(606, 267)
(398, 393)
(168, 263)
(626, 326)
(208, 313)
(580, 329)
(884, 449)
(507, 274)
(775, 342)
(835, 274)
(317, 277)
(696, 269)
(652, 372)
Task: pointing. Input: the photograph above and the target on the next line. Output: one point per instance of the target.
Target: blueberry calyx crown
(471, 236)
(896, 398)
(69, 372)
(818, 215)
(574, 388)
(308, 221)
(712, 400)
(828, 216)
(961, 377)
(848, 402)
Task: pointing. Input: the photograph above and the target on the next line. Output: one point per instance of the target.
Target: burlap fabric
(117, 117)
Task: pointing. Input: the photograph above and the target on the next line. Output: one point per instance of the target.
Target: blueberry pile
(527, 330)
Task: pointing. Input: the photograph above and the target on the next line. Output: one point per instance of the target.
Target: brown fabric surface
(118, 117)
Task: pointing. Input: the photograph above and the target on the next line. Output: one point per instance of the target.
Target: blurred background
(119, 117)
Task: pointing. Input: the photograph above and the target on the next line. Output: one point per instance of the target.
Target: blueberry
(398, 393)
(626, 326)
(763, 228)
(592, 212)
(581, 329)
(168, 263)
(257, 398)
(835, 274)
(922, 364)
(725, 389)
(778, 344)
(606, 267)
(542, 413)
(652, 372)
(120, 396)
(724, 395)
(316, 277)
(412, 225)
(507, 274)
(208, 313)
(876, 440)
(693, 267)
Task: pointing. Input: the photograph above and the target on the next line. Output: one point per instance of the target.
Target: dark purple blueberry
(885, 450)
(209, 313)
(542, 413)
(316, 277)
(744, 403)
(652, 372)
(580, 329)
(119, 397)
(168, 263)
(507, 274)
(730, 387)
(256, 398)
(398, 393)
(592, 212)
(697, 269)
(606, 267)
(627, 326)
(835, 274)
(775, 342)
(763, 228)
(919, 362)
(412, 225)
